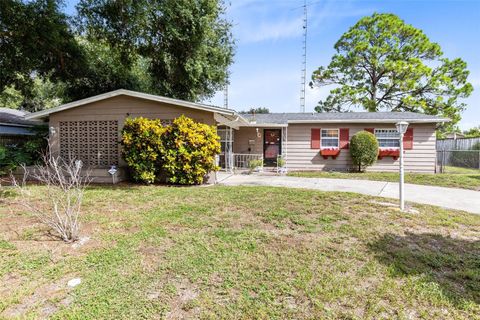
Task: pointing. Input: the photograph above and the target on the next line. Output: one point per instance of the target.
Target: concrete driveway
(452, 198)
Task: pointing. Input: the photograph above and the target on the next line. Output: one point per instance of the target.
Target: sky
(268, 36)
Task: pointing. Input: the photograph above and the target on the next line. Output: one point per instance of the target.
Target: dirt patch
(153, 255)
(45, 300)
(9, 281)
(384, 203)
(28, 235)
(181, 306)
(244, 219)
(180, 300)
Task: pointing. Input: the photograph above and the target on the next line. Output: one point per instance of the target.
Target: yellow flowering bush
(182, 153)
(143, 148)
(190, 149)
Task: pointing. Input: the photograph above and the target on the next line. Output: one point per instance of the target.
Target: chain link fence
(458, 161)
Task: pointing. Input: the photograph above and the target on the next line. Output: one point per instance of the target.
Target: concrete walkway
(452, 198)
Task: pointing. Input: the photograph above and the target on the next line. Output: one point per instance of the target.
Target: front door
(271, 145)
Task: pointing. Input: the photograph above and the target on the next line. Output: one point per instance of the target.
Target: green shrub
(183, 153)
(254, 164)
(363, 149)
(3, 159)
(143, 148)
(190, 149)
(27, 153)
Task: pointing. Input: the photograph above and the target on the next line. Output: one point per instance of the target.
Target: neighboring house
(13, 126)
(89, 130)
(454, 135)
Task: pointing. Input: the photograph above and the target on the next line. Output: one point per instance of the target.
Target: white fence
(457, 144)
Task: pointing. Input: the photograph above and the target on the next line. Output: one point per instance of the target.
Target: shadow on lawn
(452, 263)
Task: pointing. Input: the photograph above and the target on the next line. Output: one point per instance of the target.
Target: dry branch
(64, 185)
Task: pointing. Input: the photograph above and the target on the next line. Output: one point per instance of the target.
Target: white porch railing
(242, 161)
(238, 160)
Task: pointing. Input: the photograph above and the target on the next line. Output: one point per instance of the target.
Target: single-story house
(454, 135)
(89, 130)
(14, 128)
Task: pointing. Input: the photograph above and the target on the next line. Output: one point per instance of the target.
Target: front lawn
(242, 252)
(456, 178)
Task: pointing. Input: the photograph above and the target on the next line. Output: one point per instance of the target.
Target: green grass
(243, 252)
(460, 170)
(454, 178)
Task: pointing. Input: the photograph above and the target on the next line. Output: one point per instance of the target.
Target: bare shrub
(60, 205)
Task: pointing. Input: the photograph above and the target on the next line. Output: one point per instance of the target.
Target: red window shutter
(371, 130)
(408, 139)
(344, 138)
(315, 139)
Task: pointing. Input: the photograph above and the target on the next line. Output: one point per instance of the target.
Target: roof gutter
(267, 125)
(439, 120)
(17, 124)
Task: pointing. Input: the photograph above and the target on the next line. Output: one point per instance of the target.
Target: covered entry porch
(263, 144)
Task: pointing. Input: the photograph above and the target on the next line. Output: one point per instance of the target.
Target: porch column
(284, 146)
(229, 159)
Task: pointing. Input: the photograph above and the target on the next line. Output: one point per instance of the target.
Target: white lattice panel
(93, 142)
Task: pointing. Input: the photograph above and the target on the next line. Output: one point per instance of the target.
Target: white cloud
(281, 29)
(266, 73)
(257, 21)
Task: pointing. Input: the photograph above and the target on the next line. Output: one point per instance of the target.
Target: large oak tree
(384, 64)
(187, 44)
(177, 48)
(36, 42)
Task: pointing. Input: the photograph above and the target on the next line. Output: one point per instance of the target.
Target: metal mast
(225, 95)
(304, 58)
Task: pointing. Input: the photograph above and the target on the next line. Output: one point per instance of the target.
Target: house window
(387, 138)
(329, 138)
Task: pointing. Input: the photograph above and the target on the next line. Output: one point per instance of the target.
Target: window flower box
(329, 152)
(394, 153)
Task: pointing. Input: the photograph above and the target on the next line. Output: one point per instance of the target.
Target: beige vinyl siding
(301, 157)
(119, 108)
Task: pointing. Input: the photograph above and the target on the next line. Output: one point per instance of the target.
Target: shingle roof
(346, 117)
(15, 117)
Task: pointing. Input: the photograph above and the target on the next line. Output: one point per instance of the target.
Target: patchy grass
(465, 179)
(460, 170)
(243, 252)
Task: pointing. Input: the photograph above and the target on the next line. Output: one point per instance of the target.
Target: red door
(271, 145)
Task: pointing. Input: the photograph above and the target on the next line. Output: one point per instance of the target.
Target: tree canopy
(177, 48)
(36, 41)
(384, 64)
(187, 44)
(257, 110)
(472, 132)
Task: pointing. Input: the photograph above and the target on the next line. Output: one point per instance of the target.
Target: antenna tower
(304, 58)
(225, 95)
